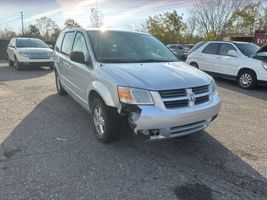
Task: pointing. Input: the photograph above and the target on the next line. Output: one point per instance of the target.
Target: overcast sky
(117, 13)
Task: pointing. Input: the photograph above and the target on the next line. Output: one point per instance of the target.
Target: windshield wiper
(154, 60)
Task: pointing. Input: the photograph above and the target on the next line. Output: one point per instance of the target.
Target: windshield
(122, 47)
(248, 49)
(31, 43)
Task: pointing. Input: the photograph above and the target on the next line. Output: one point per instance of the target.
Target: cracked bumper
(170, 123)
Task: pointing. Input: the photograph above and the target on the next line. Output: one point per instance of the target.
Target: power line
(4, 18)
(9, 21)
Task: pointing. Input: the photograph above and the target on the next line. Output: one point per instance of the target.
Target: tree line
(44, 28)
(209, 20)
(206, 20)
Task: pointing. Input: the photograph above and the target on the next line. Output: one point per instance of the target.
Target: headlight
(134, 96)
(213, 86)
(264, 64)
(25, 54)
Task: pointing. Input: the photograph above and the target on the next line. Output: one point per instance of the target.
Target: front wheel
(247, 79)
(17, 65)
(104, 120)
(51, 66)
(10, 62)
(59, 87)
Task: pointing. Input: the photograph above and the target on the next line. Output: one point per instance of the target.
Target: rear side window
(67, 43)
(196, 46)
(59, 42)
(212, 48)
(225, 48)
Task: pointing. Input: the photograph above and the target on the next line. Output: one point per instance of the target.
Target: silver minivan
(118, 75)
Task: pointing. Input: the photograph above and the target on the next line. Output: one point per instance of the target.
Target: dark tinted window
(121, 47)
(225, 48)
(59, 42)
(212, 48)
(67, 43)
(80, 44)
(36, 43)
(248, 49)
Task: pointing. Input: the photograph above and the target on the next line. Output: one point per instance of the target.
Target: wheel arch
(99, 89)
(245, 69)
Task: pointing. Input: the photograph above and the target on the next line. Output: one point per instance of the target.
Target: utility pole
(22, 24)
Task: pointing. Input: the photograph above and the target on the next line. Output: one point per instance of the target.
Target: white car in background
(24, 52)
(238, 61)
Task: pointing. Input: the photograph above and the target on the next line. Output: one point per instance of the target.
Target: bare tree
(215, 16)
(191, 25)
(46, 26)
(137, 27)
(96, 18)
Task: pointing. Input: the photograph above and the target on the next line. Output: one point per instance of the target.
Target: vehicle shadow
(53, 151)
(259, 92)
(8, 73)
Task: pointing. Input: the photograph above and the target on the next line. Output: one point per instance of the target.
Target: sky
(117, 13)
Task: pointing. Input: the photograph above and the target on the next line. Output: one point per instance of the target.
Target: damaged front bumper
(159, 123)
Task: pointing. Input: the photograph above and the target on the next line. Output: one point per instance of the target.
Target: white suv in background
(232, 60)
(24, 52)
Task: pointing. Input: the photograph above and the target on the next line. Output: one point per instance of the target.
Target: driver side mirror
(232, 53)
(79, 57)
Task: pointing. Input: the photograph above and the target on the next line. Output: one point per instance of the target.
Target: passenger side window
(225, 48)
(212, 48)
(80, 44)
(59, 42)
(67, 43)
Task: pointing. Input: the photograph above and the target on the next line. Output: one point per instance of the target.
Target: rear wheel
(59, 87)
(247, 79)
(105, 120)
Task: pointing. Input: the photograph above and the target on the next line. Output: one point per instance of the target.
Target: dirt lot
(48, 150)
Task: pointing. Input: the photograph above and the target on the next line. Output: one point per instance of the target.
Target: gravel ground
(48, 150)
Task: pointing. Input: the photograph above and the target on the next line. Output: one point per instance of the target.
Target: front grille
(201, 89)
(200, 100)
(172, 93)
(179, 98)
(176, 104)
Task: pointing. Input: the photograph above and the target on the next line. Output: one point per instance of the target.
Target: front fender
(109, 95)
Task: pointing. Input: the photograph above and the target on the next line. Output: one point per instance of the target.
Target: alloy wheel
(246, 80)
(99, 120)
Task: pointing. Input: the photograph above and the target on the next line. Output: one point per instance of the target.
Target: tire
(51, 66)
(247, 79)
(17, 65)
(193, 64)
(59, 87)
(105, 120)
(10, 62)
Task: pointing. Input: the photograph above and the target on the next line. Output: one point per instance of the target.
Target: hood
(159, 76)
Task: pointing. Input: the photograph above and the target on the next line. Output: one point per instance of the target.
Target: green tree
(70, 23)
(168, 27)
(246, 20)
(33, 31)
